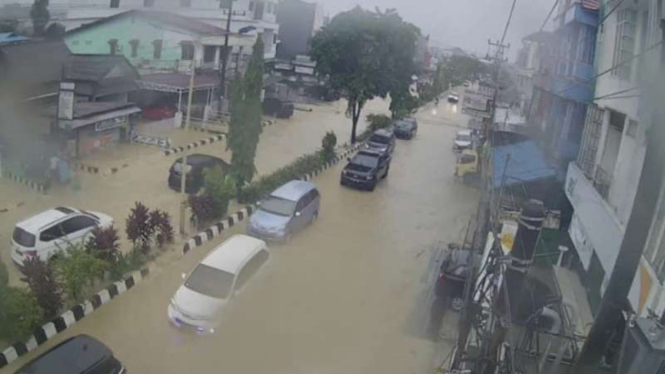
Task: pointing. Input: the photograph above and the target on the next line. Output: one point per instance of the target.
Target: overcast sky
(461, 23)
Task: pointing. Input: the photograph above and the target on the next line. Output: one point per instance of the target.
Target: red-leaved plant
(104, 244)
(138, 227)
(43, 285)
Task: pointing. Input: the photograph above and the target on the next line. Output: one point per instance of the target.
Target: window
(251, 268)
(113, 46)
(187, 51)
(115, 3)
(134, 44)
(185, 3)
(23, 238)
(209, 53)
(51, 234)
(468, 159)
(148, 3)
(76, 224)
(211, 282)
(624, 43)
(157, 49)
(632, 128)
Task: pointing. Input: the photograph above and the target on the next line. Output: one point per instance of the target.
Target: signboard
(111, 123)
(153, 140)
(581, 241)
(66, 101)
(304, 70)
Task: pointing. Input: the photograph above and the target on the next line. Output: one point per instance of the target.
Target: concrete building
(601, 183)
(259, 14)
(535, 48)
(298, 22)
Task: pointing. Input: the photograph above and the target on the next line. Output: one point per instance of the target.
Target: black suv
(406, 128)
(382, 141)
(453, 274)
(277, 107)
(196, 164)
(365, 169)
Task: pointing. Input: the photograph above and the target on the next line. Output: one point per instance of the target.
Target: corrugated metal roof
(11, 37)
(526, 164)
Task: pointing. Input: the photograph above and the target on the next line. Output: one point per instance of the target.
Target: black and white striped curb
(196, 144)
(228, 222)
(264, 123)
(97, 171)
(70, 317)
(39, 187)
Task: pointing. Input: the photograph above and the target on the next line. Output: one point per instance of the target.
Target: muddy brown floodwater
(349, 294)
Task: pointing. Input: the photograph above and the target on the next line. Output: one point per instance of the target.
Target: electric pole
(225, 56)
(636, 233)
(183, 166)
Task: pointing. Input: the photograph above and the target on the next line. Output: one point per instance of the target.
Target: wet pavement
(350, 294)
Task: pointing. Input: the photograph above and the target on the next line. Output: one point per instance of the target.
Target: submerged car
(196, 165)
(463, 140)
(200, 301)
(277, 107)
(453, 273)
(286, 210)
(406, 128)
(453, 97)
(382, 141)
(366, 169)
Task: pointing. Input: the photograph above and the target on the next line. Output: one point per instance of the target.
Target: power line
(615, 93)
(510, 17)
(556, 2)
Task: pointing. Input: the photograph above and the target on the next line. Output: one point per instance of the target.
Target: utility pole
(225, 57)
(183, 168)
(636, 233)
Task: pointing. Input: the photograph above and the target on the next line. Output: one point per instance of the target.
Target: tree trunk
(355, 116)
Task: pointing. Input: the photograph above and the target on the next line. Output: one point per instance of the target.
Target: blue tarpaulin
(526, 164)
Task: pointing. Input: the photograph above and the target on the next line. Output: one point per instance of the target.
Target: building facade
(298, 22)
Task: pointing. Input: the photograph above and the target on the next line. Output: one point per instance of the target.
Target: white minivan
(50, 232)
(207, 289)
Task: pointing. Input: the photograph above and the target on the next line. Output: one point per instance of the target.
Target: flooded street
(350, 294)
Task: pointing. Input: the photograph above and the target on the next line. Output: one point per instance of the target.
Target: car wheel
(386, 174)
(457, 303)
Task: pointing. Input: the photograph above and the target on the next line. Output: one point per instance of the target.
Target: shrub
(328, 144)
(20, 314)
(378, 121)
(43, 286)
(4, 275)
(138, 227)
(127, 262)
(221, 188)
(77, 270)
(104, 244)
(161, 223)
(203, 207)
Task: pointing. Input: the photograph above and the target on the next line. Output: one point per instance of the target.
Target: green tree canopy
(246, 110)
(40, 16)
(365, 54)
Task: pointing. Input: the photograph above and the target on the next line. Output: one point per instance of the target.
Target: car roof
(464, 132)
(383, 132)
(369, 152)
(36, 222)
(233, 253)
(293, 190)
(74, 355)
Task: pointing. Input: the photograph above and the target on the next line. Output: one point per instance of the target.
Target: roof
(86, 109)
(293, 190)
(233, 252)
(178, 81)
(20, 68)
(12, 37)
(96, 68)
(74, 355)
(170, 19)
(526, 164)
(36, 222)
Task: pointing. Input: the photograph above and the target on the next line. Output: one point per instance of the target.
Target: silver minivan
(287, 210)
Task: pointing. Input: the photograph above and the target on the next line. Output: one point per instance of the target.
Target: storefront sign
(66, 101)
(111, 123)
(152, 140)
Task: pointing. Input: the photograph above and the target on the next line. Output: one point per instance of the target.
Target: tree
(364, 55)
(245, 125)
(20, 313)
(77, 270)
(138, 227)
(40, 16)
(43, 286)
(8, 25)
(328, 144)
(55, 31)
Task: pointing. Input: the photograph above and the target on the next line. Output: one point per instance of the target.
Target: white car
(53, 231)
(201, 299)
(463, 140)
(453, 97)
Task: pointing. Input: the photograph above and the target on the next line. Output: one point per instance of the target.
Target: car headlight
(369, 177)
(366, 145)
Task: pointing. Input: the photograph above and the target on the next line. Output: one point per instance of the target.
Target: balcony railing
(602, 181)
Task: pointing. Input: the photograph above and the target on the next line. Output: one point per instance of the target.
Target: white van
(207, 289)
(49, 233)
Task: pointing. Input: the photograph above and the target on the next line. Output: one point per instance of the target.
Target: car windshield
(177, 167)
(209, 281)
(376, 138)
(23, 238)
(366, 161)
(403, 125)
(464, 137)
(279, 206)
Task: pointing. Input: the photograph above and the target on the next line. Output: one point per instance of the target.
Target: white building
(602, 183)
(260, 14)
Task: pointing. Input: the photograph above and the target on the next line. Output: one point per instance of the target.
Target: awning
(526, 164)
(77, 123)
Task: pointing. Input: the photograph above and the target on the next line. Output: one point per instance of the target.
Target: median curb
(69, 318)
(39, 187)
(196, 144)
(97, 171)
(228, 222)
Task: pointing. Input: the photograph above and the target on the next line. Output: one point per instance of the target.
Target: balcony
(576, 13)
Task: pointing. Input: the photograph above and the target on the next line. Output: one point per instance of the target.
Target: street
(350, 294)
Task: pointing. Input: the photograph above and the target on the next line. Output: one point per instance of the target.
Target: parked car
(288, 209)
(382, 141)
(194, 177)
(453, 97)
(406, 128)
(463, 140)
(49, 233)
(80, 354)
(452, 276)
(277, 107)
(158, 112)
(365, 169)
(200, 301)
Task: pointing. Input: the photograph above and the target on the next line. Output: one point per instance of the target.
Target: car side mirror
(297, 214)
